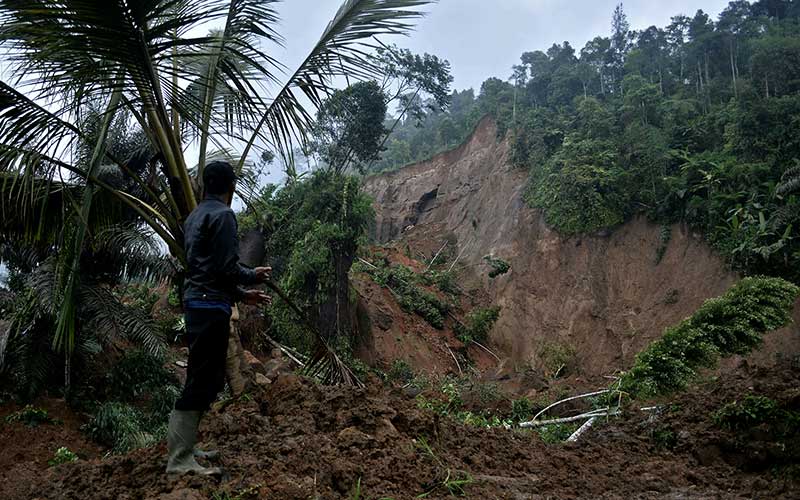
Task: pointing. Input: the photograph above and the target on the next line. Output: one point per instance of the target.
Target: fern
(790, 182)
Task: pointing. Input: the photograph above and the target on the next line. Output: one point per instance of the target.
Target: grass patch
(32, 416)
(449, 480)
(557, 433)
(62, 456)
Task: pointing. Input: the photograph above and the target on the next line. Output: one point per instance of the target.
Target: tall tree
(597, 54)
(733, 23)
(620, 43)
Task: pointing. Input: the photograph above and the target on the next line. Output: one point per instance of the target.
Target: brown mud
(299, 440)
(25, 450)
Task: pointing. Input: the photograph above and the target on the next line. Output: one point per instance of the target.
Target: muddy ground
(25, 449)
(298, 440)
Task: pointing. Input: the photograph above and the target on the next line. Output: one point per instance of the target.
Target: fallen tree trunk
(596, 393)
(564, 420)
(585, 427)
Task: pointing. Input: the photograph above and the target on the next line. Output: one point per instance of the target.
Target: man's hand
(256, 298)
(263, 274)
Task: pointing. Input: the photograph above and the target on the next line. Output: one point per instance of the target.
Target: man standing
(213, 285)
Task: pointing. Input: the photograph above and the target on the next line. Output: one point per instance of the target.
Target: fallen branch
(459, 255)
(454, 359)
(585, 427)
(435, 257)
(564, 420)
(453, 316)
(604, 391)
(370, 264)
(285, 351)
(486, 349)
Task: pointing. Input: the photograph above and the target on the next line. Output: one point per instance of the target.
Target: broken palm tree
(323, 363)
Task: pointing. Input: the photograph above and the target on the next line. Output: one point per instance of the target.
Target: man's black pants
(207, 331)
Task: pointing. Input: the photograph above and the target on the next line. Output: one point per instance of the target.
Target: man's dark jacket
(211, 240)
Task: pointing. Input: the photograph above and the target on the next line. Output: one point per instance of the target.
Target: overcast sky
(483, 38)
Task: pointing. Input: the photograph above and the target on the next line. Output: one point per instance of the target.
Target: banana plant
(156, 62)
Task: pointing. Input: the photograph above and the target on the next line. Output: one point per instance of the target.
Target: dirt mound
(298, 440)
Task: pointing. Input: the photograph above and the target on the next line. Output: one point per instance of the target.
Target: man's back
(212, 254)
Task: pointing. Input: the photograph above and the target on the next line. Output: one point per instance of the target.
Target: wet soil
(25, 450)
(297, 439)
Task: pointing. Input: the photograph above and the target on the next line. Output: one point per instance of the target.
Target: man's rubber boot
(181, 438)
(206, 454)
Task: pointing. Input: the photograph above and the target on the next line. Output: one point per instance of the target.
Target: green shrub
(173, 299)
(499, 266)
(556, 433)
(62, 456)
(731, 324)
(521, 409)
(443, 280)
(664, 438)
(161, 404)
(749, 412)
(119, 426)
(578, 198)
(405, 285)
(136, 373)
(138, 295)
(31, 416)
(426, 305)
(556, 357)
(400, 371)
(478, 324)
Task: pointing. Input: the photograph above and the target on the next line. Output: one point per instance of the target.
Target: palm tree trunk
(65, 327)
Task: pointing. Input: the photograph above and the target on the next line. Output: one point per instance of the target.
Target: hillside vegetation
(695, 121)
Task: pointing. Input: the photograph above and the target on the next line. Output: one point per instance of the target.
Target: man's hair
(218, 177)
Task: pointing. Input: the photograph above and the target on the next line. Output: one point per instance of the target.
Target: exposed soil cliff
(604, 296)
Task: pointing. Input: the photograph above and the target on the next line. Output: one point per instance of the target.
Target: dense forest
(696, 121)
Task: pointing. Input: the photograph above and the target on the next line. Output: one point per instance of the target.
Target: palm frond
(109, 318)
(343, 50)
(790, 182)
(323, 363)
(32, 210)
(135, 253)
(32, 130)
(77, 48)
(232, 71)
(66, 325)
(785, 215)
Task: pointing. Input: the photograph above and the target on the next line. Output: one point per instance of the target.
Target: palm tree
(142, 60)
